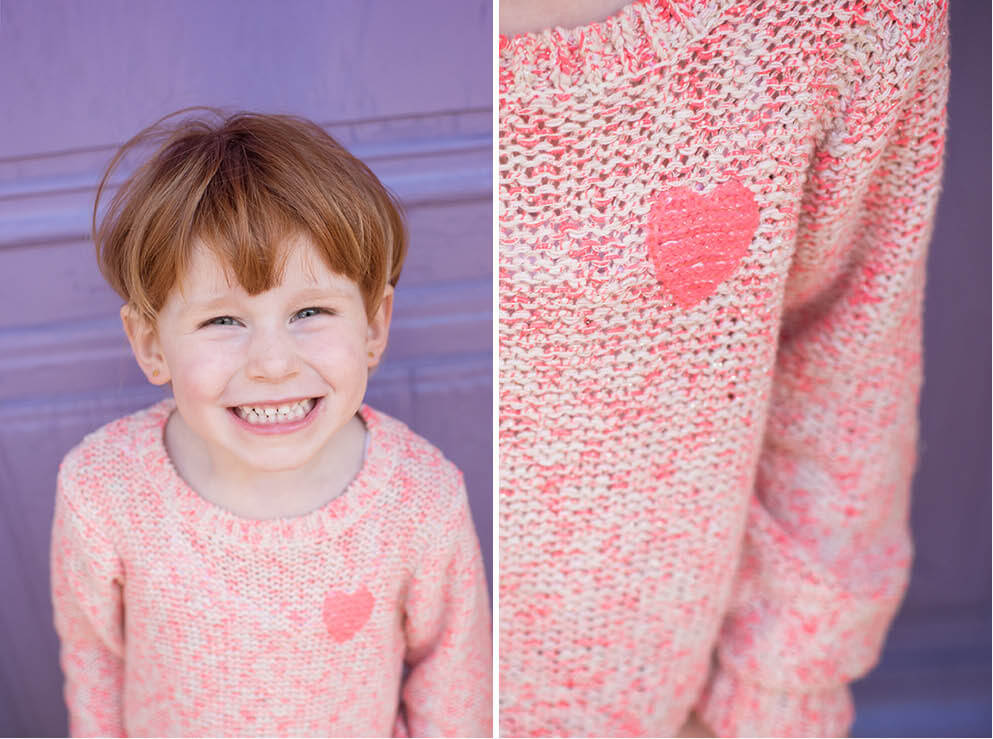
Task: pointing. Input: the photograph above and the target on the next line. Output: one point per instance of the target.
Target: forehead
(302, 266)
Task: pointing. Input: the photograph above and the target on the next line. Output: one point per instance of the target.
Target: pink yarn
(695, 241)
(714, 223)
(179, 618)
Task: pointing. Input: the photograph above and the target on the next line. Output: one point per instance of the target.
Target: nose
(271, 356)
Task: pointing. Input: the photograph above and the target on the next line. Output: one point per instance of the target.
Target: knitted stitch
(714, 220)
(180, 618)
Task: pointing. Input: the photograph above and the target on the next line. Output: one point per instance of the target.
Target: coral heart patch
(696, 241)
(346, 613)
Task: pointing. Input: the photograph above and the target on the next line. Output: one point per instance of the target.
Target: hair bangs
(245, 188)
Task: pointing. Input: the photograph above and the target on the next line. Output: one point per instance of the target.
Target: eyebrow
(310, 293)
(210, 303)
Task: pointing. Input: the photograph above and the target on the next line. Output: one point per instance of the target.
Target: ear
(379, 328)
(145, 345)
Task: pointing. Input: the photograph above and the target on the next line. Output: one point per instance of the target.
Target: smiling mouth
(275, 414)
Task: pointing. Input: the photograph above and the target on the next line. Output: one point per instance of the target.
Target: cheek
(341, 358)
(203, 372)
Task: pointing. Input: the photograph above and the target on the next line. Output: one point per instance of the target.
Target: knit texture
(714, 219)
(180, 618)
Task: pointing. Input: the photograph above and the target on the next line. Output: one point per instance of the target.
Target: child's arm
(89, 619)
(448, 691)
(827, 549)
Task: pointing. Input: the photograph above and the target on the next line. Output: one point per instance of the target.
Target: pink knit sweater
(714, 219)
(179, 618)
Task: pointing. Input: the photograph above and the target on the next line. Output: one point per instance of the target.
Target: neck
(264, 494)
(526, 16)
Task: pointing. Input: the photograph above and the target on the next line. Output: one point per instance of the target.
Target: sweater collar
(637, 38)
(211, 520)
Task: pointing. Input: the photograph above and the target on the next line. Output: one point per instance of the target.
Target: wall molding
(74, 406)
(47, 197)
(428, 322)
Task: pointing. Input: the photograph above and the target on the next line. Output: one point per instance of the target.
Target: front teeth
(275, 414)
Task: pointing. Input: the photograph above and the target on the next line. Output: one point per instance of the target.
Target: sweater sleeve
(86, 581)
(449, 689)
(827, 548)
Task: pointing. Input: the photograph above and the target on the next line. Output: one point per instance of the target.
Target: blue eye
(222, 321)
(309, 312)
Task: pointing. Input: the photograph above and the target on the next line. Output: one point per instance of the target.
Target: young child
(714, 221)
(262, 553)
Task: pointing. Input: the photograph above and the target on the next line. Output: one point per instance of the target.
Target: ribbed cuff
(733, 707)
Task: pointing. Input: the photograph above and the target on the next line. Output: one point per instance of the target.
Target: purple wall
(405, 86)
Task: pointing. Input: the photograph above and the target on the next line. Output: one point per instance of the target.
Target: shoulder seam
(75, 510)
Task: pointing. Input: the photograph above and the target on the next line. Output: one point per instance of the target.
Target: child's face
(266, 381)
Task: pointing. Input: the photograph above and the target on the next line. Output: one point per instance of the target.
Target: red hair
(244, 187)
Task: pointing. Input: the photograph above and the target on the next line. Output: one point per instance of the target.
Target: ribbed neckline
(213, 521)
(634, 39)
